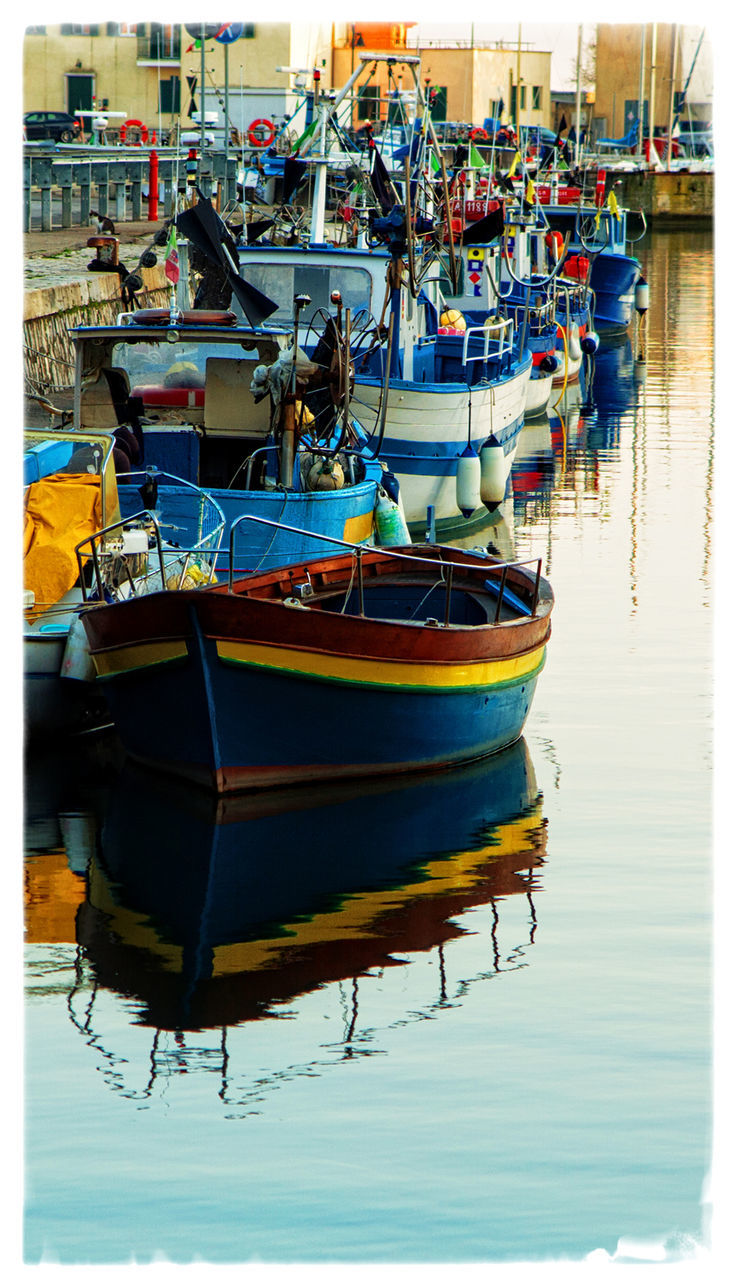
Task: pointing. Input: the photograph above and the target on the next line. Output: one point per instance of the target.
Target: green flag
(308, 133)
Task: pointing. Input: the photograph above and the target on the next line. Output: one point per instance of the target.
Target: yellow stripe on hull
(370, 671)
(113, 662)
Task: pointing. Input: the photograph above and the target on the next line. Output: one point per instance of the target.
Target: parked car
(58, 126)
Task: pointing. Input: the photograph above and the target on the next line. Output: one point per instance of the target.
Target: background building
(151, 71)
(468, 82)
(626, 54)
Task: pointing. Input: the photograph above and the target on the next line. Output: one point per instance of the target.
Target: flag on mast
(171, 265)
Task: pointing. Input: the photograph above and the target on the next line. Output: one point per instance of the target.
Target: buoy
(468, 482)
(390, 522)
(550, 363)
(327, 473)
(453, 320)
(492, 473)
(641, 296)
(590, 342)
(554, 241)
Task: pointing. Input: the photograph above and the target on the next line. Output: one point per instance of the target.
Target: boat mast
(319, 202)
(578, 109)
(652, 103)
(670, 142)
(640, 91)
(682, 100)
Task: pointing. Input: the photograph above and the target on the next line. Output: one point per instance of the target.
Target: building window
(169, 97)
(122, 28)
(368, 103)
(248, 31)
(162, 43)
(35, 31)
(513, 98)
(80, 29)
(536, 96)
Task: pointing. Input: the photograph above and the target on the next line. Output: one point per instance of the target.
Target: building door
(631, 114)
(438, 102)
(79, 93)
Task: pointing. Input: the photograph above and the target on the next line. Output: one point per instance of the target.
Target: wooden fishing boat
(350, 665)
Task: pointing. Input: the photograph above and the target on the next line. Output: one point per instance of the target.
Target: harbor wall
(668, 195)
(49, 313)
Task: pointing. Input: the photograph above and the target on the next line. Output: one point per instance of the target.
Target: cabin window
(169, 364)
(282, 283)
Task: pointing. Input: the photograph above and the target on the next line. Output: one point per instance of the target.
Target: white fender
(575, 350)
(492, 474)
(468, 482)
(641, 296)
(77, 663)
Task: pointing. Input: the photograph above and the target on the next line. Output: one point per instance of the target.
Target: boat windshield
(281, 282)
(169, 364)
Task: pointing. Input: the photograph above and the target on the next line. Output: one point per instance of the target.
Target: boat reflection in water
(204, 914)
(615, 392)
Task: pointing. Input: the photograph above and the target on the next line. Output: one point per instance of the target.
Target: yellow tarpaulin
(60, 512)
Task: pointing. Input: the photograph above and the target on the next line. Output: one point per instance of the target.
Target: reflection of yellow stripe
(415, 675)
(359, 913)
(114, 661)
(356, 916)
(358, 528)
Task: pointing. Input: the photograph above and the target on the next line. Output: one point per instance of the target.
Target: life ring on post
(134, 124)
(257, 128)
(480, 133)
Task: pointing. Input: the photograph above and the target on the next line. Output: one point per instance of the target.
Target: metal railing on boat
(359, 550)
(211, 527)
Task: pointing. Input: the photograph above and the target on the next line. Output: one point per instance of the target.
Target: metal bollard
(153, 187)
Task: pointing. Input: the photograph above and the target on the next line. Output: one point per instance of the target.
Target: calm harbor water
(457, 1020)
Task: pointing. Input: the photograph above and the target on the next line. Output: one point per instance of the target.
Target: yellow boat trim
(112, 662)
(378, 671)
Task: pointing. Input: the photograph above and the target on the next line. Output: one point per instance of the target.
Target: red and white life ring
(255, 130)
(479, 132)
(134, 124)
